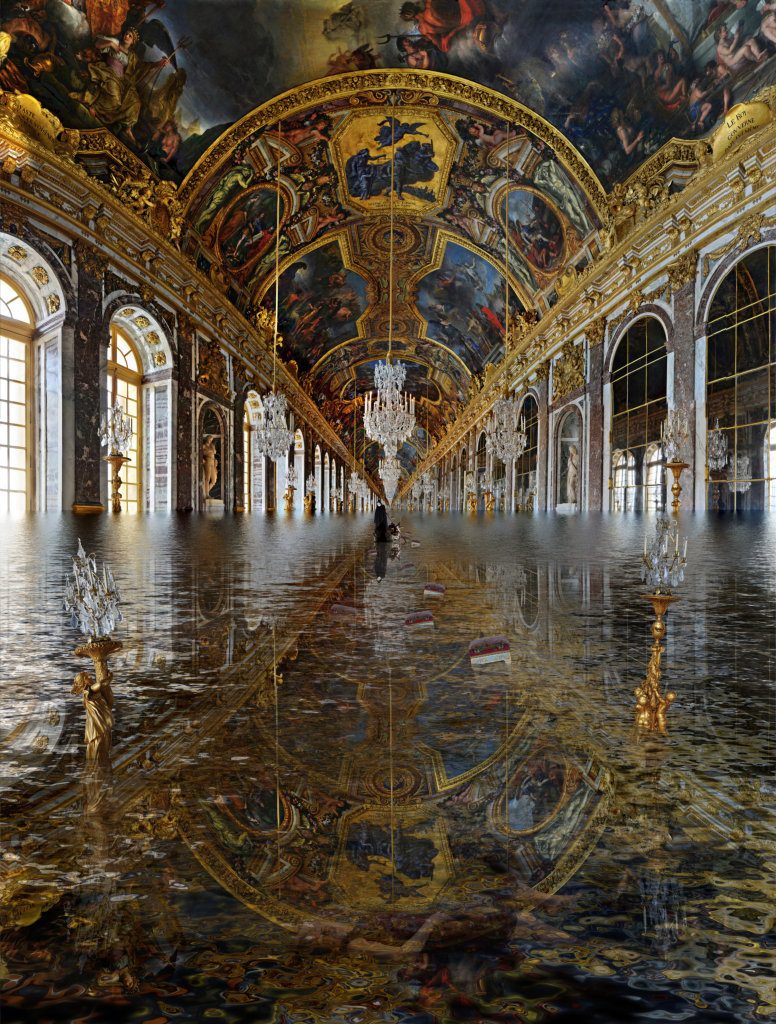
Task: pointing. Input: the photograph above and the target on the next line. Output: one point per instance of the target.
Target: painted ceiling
(619, 78)
(462, 179)
(191, 87)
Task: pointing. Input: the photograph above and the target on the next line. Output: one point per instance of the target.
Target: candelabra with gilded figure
(93, 602)
(309, 494)
(662, 569)
(288, 496)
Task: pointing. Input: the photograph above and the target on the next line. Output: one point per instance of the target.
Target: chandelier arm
(390, 242)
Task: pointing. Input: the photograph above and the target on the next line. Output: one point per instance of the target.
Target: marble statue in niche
(572, 475)
(209, 464)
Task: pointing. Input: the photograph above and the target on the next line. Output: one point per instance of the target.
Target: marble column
(544, 444)
(595, 426)
(237, 461)
(183, 432)
(684, 378)
(88, 343)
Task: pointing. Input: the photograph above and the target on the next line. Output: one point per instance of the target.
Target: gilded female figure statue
(209, 464)
(98, 704)
(572, 475)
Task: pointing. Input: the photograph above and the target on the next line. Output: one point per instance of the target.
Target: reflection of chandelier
(116, 430)
(273, 437)
(389, 416)
(717, 448)
(506, 430)
(742, 483)
(390, 471)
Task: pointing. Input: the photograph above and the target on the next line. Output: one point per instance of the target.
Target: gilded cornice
(733, 194)
(65, 200)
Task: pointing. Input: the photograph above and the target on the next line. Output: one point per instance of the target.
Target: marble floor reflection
(317, 812)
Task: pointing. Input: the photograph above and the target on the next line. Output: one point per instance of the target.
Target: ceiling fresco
(332, 164)
(619, 78)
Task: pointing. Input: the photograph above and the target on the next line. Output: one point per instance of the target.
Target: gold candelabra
(651, 703)
(116, 462)
(288, 499)
(676, 487)
(490, 501)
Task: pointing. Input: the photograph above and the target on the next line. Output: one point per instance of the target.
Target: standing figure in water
(381, 524)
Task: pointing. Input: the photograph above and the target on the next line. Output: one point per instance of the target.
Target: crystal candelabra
(389, 416)
(662, 569)
(470, 489)
(309, 493)
(116, 436)
(354, 488)
(273, 436)
(675, 439)
(337, 496)
(92, 601)
(288, 497)
(505, 430)
(389, 471)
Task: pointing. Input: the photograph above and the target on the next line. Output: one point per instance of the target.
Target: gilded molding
(568, 371)
(596, 331)
(682, 270)
(90, 260)
(749, 233)
(211, 370)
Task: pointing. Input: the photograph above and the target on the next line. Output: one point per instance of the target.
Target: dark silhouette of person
(381, 524)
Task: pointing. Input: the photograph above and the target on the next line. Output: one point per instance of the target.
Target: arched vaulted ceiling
(460, 154)
(196, 89)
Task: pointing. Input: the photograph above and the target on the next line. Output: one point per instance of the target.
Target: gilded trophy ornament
(568, 373)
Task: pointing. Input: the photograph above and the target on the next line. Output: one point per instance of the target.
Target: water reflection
(296, 770)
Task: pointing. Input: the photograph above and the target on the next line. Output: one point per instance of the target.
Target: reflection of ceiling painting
(618, 78)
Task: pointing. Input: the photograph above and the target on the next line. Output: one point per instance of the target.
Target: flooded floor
(316, 812)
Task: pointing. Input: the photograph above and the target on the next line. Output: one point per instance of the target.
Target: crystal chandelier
(662, 567)
(389, 471)
(389, 416)
(717, 448)
(505, 430)
(91, 600)
(675, 436)
(273, 436)
(116, 430)
(354, 483)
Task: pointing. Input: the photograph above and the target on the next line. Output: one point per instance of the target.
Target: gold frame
(129, 377)
(15, 330)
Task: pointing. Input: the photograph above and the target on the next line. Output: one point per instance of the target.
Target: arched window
(655, 491)
(16, 330)
(741, 385)
(525, 466)
(624, 484)
(247, 462)
(123, 379)
(638, 403)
